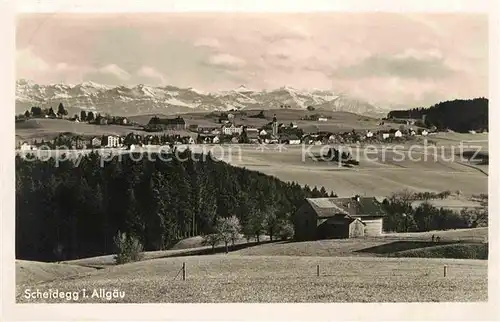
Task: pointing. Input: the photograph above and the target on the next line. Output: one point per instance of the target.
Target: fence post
(317, 270)
(445, 269)
(183, 271)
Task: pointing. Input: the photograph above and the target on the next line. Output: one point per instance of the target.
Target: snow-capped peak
(141, 99)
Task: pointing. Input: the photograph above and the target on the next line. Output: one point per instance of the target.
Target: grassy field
(47, 129)
(380, 173)
(471, 251)
(234, 278)
(29, 272)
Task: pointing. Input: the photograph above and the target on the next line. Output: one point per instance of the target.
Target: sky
(387, 59)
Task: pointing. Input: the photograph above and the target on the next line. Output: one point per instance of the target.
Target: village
(177, 130)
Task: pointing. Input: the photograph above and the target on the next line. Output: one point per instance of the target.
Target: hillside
(143, 99)
(457, 115)
(250, 279)
(158, 201)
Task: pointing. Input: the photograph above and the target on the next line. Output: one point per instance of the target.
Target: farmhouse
(177, 123)
(322, 119)
(324, 218)
(121, 120)
(111, 141)
(230, 129)
(26, 147)
(96, 142)
(398, 134)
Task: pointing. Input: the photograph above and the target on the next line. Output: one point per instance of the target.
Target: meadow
(238, 278)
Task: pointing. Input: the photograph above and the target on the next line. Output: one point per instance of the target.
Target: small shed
(325, 218)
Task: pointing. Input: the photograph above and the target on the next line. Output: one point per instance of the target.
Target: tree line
(402, 216)
(456, 115)
(67, 211)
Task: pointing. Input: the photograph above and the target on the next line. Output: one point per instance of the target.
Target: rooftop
(363, 206)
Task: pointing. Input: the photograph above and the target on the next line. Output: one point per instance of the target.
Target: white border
(307, 312)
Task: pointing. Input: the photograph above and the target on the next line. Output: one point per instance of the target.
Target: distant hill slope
(143, 99)
(457, 115)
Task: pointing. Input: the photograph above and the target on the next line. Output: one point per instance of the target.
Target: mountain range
(143, 99)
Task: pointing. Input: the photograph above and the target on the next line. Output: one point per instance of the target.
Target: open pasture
(235, 278)
(47, 129)
(374, 176)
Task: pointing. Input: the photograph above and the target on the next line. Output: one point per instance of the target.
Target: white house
(216, 140)
(398, 134)
(191, 140)
(425, 132)
(112, 141)
(412, 133)
(472, 132)
(322, 119)
(263, 133)
(385, 135)
(26, 147)
(369, 134)
(96, 142)
(231, 129)
(293, 139)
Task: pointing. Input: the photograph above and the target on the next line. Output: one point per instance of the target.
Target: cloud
(406, 66)
(150, 74)
(27, 61)
(115, 70)
(207, 42)
(226, 61)
(110, 74)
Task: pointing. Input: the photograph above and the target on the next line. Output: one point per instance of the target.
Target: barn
(325, 218)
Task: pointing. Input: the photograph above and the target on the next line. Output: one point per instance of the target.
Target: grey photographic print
(251, 157)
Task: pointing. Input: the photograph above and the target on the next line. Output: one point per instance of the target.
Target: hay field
(37, 129)
(30, 272)
(375, 175)
(234, 278)
(337, 121)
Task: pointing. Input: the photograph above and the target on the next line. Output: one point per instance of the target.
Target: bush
(211, 239)
(285, 230)
(129, 248)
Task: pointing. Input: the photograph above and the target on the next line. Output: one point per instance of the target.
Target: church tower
(275, 126)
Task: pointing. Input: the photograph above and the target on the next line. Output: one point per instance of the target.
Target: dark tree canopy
(68, 211)
(457, 115)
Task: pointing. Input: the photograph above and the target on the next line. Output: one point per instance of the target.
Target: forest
(456, 115)
(67, 211)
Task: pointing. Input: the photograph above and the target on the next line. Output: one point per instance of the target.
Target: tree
(51, 113)
(211, 239)
(285, 229)
(310, 108)
(228, 229)
(129, 248)
(61, 111)
(90, 116)
(27, 114)
(254, 226)
(83, 116)
(271, 223)
(36, 111)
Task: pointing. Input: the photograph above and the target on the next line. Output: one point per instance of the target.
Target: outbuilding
(326, 218)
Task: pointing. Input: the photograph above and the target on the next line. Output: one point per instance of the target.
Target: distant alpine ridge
(143, 99)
